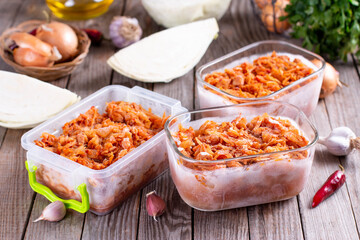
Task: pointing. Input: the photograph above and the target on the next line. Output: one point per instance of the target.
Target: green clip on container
(108, 187)
(81, 207)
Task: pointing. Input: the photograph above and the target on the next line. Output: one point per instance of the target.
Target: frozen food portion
(238, 138)
(242, 155)
(267, 74)
(98, 140)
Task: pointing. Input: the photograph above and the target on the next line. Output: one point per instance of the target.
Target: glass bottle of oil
(78, 9)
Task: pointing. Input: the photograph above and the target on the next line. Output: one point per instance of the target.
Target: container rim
(253, 45)
(302, 114)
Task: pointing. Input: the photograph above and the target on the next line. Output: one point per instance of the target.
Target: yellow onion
(61, 36)
(25, 40)
(331, 79)
(28, 57)
(31, 51)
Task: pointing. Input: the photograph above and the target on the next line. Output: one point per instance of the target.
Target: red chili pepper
(33, 32)
(95, 36)
(334, 182)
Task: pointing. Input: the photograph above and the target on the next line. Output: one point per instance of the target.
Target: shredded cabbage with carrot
(264, 76)
(215, 141)
(98, 140)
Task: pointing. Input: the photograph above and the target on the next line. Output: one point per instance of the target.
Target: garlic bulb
(341, 141)
(124, 31)
(54, 212)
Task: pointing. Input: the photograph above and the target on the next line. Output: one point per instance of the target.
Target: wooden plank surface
(175, 223)
(119, 224)
(16, 196)
(337, 218)
(343, 110)
(332, 219)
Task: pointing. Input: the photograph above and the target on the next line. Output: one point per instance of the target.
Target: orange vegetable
(215, 141)
(264, 76)
(97, 141)
(28, 57)
(26, 40)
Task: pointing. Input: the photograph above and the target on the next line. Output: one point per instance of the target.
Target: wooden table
(337, 218)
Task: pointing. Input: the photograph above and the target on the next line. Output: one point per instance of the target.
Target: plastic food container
(275, 176)
(303, 93)
(108, 187)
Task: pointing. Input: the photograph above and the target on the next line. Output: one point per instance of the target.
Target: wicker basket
(44, 73)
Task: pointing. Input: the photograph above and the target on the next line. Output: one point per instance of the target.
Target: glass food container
(275, 176)
(303, 93)
(108, 187)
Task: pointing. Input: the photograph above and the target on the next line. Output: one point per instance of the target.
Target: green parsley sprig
(328, 27)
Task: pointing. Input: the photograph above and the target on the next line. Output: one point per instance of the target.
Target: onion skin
(28, 57)
(26, 40)
(60, 35)
(331, 79)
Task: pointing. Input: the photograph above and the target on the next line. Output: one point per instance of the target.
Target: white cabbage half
(166, 55)
(170, 13)
(26, 101)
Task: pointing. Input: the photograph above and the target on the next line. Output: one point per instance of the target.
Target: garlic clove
(155, 205)
(54, 212)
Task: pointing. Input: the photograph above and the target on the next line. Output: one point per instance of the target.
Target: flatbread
(26, 101)
(166, 55)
